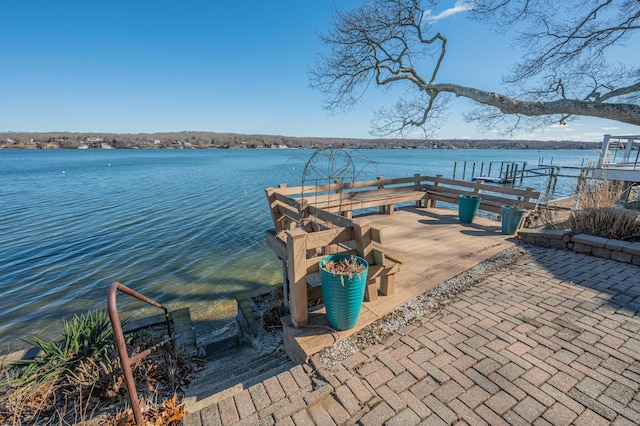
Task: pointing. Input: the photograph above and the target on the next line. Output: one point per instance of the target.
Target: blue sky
(222, 66)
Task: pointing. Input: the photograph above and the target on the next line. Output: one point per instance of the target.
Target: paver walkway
(551, 340)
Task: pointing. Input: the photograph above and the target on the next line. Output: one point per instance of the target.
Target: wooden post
(417, 180)
(431, 202)
(303, 211)
(478, 187)
(273, 208)
(387, 284)
(362, 237)
(382, 209)
(297, 276)
(285, 285)
(364, 248)
(529, 196)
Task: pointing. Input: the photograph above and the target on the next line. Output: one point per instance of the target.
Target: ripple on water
(184, 227)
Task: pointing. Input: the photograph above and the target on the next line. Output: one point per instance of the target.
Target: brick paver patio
(551, 340)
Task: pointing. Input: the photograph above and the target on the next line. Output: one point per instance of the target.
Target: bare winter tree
(566, 71)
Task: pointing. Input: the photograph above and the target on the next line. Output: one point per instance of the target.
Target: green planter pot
(467, 207)
(512, 219)
(342, 293)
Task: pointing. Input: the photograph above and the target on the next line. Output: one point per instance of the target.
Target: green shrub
(608, 222)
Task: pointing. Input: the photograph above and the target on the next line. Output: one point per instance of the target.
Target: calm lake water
(183, 227)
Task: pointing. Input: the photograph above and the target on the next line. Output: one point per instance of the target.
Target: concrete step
(230, 373)
(224, 340)
(235, 361)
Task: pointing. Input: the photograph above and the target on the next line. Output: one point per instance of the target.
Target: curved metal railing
(118, 335)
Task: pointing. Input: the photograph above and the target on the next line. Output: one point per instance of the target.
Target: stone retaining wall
(621, 251)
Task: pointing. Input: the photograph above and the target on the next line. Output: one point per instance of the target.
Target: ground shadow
(617, 282)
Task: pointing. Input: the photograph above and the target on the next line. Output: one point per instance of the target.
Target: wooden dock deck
(438, 247)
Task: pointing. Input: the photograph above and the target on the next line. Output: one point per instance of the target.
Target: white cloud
(524, 136)
(592, 136)
(557, 132)
(460, 6)
(563, 128)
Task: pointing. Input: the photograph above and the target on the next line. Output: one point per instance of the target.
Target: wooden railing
(301, 251)
(314, 221)
(492, 196)
(345, 198)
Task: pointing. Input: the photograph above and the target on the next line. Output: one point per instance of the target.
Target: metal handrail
(121, 346)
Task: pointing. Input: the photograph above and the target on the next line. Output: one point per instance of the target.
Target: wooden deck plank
(439, 248)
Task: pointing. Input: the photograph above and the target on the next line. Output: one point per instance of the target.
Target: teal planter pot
(467, 207)
(343, 293)
(512, 219)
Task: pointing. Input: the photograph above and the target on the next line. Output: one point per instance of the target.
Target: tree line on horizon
(212, 140)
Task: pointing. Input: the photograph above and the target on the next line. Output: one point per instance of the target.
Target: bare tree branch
(626, 113)
(563, 74)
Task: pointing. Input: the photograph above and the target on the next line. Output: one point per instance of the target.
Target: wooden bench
(493, 197)
(304, 233)
(345, 198)
(301, 252)
(383, 264)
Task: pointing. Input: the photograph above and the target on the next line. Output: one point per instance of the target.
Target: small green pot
(467, 207)
(512, 219)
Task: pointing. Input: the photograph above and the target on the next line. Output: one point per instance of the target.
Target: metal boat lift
(620, 161)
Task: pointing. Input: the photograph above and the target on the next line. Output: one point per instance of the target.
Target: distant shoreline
(211, 140)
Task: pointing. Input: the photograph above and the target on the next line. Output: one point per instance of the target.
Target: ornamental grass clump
(609, 222)
(85, 336)
(598, 193)
(39, 386)
(78, 378)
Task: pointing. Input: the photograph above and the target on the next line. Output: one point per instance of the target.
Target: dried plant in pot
(344, 279)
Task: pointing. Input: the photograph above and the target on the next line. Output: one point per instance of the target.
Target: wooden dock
(438, 248)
